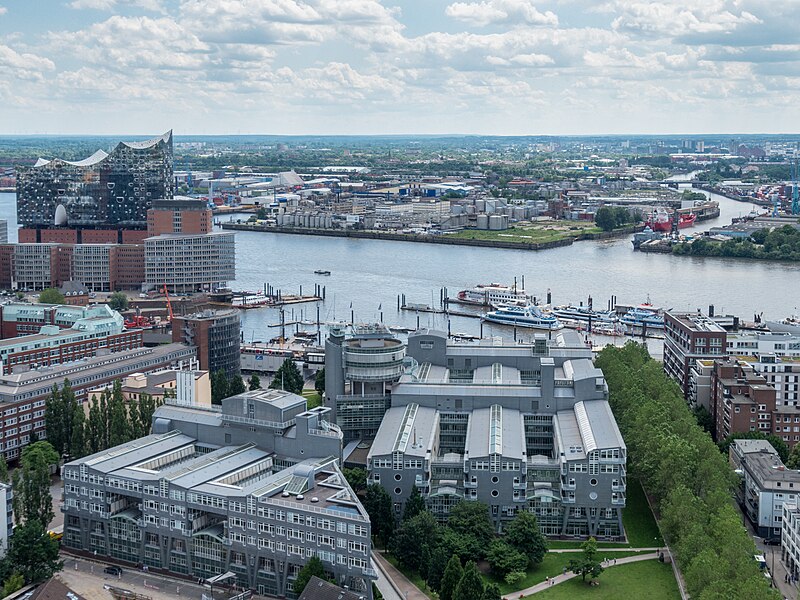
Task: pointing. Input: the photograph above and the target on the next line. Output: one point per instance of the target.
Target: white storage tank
(483, 221)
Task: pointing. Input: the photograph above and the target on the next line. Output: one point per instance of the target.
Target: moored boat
(530, 316)
(492, 294)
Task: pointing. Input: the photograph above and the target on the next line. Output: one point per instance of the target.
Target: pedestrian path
(403, 583)
(567, 576)
(604, 550)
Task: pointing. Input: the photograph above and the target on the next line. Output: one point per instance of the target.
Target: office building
(319, 589)
(6, 516)
(22, 318)
(689, 337)
(179, 215)
(518, 427)
(765, 485)
(215, 334)
(190, 263)
(359, 372)
(106, 189)
(790, 538)
(253, 488)
(184, 384)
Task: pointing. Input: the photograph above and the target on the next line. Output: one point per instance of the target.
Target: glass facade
(104, 189)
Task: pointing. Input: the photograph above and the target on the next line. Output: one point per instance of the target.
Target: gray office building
(518, 427)
(252, 488)
(359, 371)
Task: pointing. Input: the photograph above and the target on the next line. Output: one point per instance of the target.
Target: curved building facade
(113, 188)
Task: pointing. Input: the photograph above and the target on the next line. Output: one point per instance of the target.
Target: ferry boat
(643, 316)
(492, 294)
(529, 316)
(661, 220)
(583, 314)
(250, 299)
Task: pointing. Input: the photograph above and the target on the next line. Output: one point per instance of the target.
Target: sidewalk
(604, 550)
(562, 578)
(409, 590)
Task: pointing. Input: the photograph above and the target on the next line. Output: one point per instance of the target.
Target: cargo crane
(169, 304)
(795, 195)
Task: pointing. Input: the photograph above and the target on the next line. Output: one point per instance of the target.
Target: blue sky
(508, 67)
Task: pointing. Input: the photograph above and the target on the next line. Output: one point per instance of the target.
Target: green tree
(142, 414)
(120, 430)
(605, 219)
(436, 567)
(118, 301)
(523, 533)
(414, 505)
(77, 446)
(703, 418)
(470, 520)
(51, 296)
(219, 386)
(794, 458)
(319, 381)
(32, 552)
(452, 575)
(68, 403)
(254, 383)
(587, 564)
(413, 537)
(14, 582)
(96, 426)
(288, 378)
(236, 385)
(470, 586)
(378, 505)
(4, 469)
(491, 592)
(356, 478)
(55, 418)
(504, 558)
(312, 567)
(31, 484)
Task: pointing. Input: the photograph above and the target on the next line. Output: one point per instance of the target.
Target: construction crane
(169, 304)
(795, 195)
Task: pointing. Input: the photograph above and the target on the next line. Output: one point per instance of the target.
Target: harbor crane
(795, 196)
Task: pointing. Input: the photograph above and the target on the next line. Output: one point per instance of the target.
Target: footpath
(608, 564)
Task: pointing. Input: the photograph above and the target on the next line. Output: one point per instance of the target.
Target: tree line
(445, 555)
(687, 477)
(782, 243)
(609, 218)
(111, 420)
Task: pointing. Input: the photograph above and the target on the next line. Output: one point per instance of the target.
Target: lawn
(547, 231)
(576, 544)
(640, 525)
(313, 399)
(647, 579)
(553, 564)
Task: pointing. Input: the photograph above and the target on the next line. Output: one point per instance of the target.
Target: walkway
(401, 582)
(566, 577)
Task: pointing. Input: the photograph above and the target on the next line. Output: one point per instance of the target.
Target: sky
(500, 67)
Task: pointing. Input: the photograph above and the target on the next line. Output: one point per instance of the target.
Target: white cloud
(490, 12)
(677, 17)
(3, 10)
(152, 5)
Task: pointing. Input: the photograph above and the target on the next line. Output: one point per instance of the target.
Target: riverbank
(489, 241)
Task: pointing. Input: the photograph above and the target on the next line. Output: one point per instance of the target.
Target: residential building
(252, 488)
(516, 426)
(215, 334)
(765, 485)
(742, 399)
(6, 516)
(22, 318)
(359, 372)
(689, 337)
(319, 589)
(190, 263)
(790, 538)
(179, 215)
(106, 189)
(186, 384)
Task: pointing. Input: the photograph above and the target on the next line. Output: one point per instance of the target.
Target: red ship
(661, 220)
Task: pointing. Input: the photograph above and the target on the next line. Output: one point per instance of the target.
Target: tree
(491, 592)
(312, 567)
(378, 505)
(118, 301)
(3, 469)
(319, 381)
(51, 296)
(77, 446)
(524, 535)
(96, 426)
(236, 385)
(356, 478)
(54, 419)
(413, 537)
(68, 403)
(436, 567)
(414, 505)
(703, 418)
(504, 558)
(470, 521)
(14, 582)
(604, 218)
(219, 386)
(452, 575)
(288, 378)
(587, 564)
(142, 414)
(119, 425)
(471, 585)
(254, 383)
(794, 458)
(32, 552)
(31, 484)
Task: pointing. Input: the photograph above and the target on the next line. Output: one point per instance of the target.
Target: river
(369, 274)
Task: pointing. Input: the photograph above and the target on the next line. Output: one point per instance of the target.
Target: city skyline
(505, 67)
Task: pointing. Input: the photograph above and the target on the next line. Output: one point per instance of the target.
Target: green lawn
(543, 232)
(647, 579)
(640, 525)
(553, 564)
(576, 544)
(313, 399)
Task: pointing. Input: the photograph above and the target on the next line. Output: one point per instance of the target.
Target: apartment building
(190, 263)
(516, 426)
(253, 488)
(215, 334)
(689, 337)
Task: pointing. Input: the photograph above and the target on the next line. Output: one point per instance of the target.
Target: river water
(368, 275)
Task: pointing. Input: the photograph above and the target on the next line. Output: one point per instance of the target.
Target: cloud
(3, 10)
(493, 12)
(680, 17)
(107, 5)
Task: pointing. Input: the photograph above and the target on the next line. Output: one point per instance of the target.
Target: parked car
(772, 541)
(112, 570)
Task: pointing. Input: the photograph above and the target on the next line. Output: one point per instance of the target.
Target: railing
(316, 509)
(258, 422)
